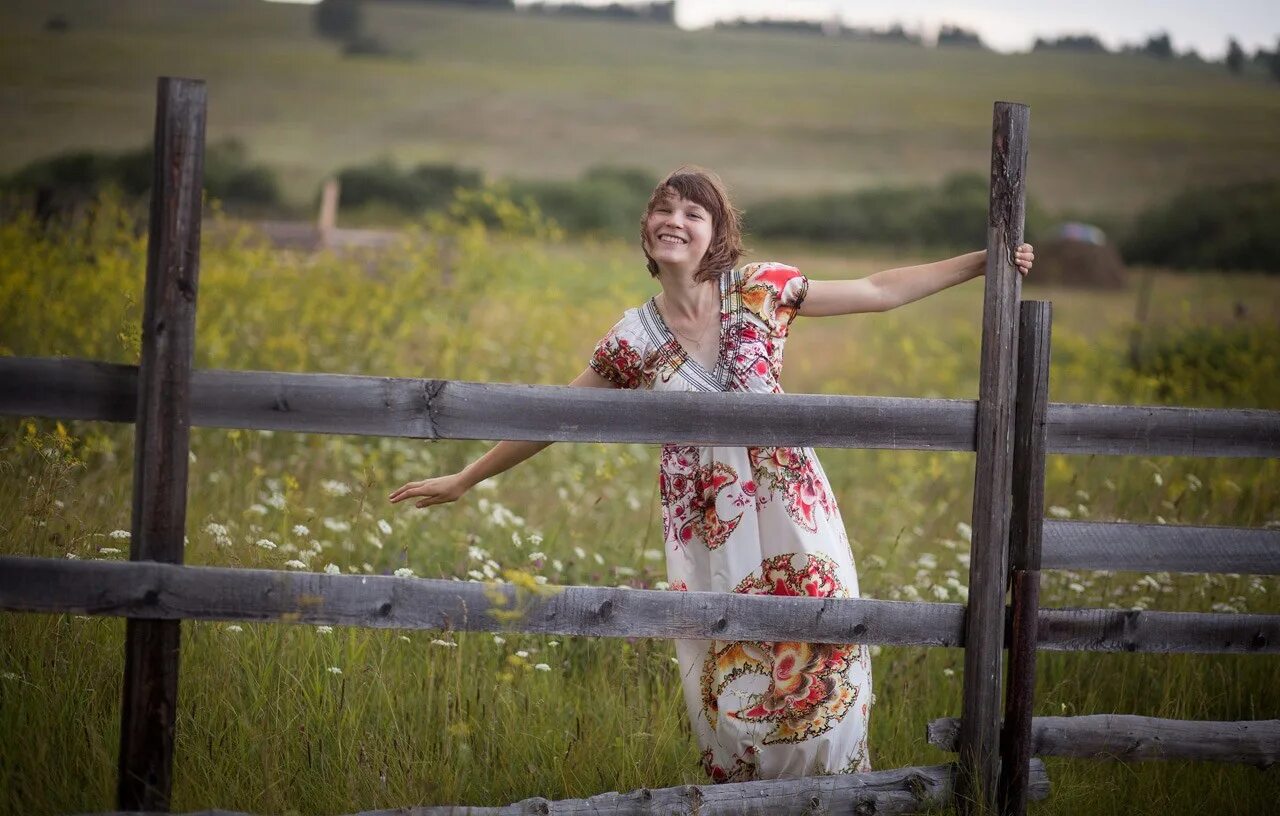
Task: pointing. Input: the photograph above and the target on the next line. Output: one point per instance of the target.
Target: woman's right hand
(440, 490)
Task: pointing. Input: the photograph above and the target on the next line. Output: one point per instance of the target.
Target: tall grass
(285, 718)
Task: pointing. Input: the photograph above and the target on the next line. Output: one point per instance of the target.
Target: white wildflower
(322, 629)
(624, 572)
(940, 592)
(120, 535)
(276, 500)
(522, 653)
(367, 567)
(109, 550)
(373, 540)
(477, 554)
(542, 667)
(927, 561)
(72, 556)
(963, 558)
(257, 509)
(1193, 482)
(233, 627)
(403, 572)
(333, 487)
(539, 579)
(1058, 511)
(653, 555)
(476, 574)
(1076, 586)
(578, 551)
(295, 564)
(516, 540)
(661, 585)
(384, 526)
(553, 643)
(557, 565)
(499, 639)
(266, 543)
(1158, 479)
(446, 643)
(599, 558)
(535, 539)
(332, 569)
(336, 525)
(301, 530)
(405, 638)
(335, 670)
(948, 672)
(964, 531)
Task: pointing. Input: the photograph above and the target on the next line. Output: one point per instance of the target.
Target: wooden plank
(161, 442)
(900, 790)
(381, 601)
(1160, 547)
(446, 409)
(53, 585)
(1035, 323)
(69, 388)
(1148, 430)
(1128, 737)
(979, 758)
(1118, 630)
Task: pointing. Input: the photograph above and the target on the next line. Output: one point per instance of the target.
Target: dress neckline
(717, 377)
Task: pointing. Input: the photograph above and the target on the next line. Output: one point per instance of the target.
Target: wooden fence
(1010, 427)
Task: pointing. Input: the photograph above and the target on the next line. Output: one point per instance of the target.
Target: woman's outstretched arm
(501, 457)
(896, 287)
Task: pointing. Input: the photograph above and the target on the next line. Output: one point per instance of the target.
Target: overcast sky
(1013, 26)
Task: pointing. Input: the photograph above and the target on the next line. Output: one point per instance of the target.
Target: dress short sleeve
(619, 356)
(774, 292)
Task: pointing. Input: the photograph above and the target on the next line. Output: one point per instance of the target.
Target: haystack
(1079, 255)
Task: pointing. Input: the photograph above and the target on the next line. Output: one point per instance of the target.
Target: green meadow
(528, 98)
(305, 719)
(317, 720)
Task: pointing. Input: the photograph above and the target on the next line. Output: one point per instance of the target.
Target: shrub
(229, 175)
(1223, 227)
(606, 200)
(424, 188)
(953, 215)
(1222, 365)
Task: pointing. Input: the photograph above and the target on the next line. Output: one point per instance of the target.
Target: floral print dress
(758, 520)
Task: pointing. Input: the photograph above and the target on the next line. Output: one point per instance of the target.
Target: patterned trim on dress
(671, 353)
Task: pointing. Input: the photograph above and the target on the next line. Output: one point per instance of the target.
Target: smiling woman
(754, 520)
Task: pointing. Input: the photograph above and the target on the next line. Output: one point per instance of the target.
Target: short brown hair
(704, 188)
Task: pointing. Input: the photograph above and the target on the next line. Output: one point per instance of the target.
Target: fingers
(1023, 257)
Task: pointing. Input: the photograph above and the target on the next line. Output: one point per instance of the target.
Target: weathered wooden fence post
(161, 438)
(979, 760)
(1026, 524)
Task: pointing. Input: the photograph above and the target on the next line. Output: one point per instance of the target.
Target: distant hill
(543, 97)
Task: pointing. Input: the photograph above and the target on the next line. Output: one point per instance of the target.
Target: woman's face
(678, 232)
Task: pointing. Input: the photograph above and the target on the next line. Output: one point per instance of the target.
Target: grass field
(533, 98)
(302, 719)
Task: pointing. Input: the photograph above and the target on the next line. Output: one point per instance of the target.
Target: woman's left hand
(1022, 258)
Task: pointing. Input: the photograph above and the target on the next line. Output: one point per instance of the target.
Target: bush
(229, 176)
(338, 19)
(606, 200)
(1224, 365)
(1230, 227)
(424, 188)
(953, 215)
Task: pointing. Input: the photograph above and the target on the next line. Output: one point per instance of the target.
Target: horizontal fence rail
(169, 591)
(72, 388)
(897, 791)
(1159, 548)
(1125, 736)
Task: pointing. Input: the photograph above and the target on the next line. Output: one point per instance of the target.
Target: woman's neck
(686, 299)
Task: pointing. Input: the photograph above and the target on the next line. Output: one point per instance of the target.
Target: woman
(760, 520)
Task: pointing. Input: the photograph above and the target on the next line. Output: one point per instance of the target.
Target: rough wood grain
(70, 388)
(161, 445)
(900, 791)
(1160, 547)
(1117, 630)
(979, 759)
(1148, 430)
(1025, 522)
(448, 409)
(1128, 737)
(381, 601)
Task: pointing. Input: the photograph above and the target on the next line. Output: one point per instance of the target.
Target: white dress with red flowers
(759, 520)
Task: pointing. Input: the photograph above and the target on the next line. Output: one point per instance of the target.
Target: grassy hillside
(527, 97)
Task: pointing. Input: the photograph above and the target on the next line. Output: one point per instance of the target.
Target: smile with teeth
(667, 238)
